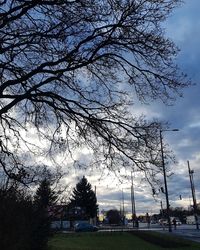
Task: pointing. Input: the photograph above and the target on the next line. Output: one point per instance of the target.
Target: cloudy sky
(183, 27)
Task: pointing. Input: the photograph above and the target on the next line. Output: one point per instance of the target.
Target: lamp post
(161, 208)
(123, 207)
(133, 202)
(164, 175)
(191, 172)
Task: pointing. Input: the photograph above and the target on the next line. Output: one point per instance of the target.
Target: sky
(183, 27)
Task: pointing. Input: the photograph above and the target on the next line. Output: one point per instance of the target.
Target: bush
(15, 216)
(22, 226)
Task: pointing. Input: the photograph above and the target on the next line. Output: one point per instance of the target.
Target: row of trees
(26, 218)
(114, 216)
(25, 221)
(179, 212)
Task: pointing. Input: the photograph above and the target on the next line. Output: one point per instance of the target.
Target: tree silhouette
(69, 71)
(84, 197)
(114, 216)
(16, 215)
(43, 200)
(44, 196)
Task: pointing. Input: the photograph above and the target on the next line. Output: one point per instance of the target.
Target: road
(159, 227)
(186, 231)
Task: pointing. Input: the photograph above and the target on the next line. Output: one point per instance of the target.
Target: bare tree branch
(70, 69)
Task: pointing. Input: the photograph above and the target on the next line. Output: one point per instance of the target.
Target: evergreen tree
(45, 196)
(83, 196)
(25, 222)
(16, 217)
(43, 200)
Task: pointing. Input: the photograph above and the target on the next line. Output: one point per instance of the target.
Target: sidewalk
(189, 234)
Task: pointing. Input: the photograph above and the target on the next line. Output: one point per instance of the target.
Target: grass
(117, 241)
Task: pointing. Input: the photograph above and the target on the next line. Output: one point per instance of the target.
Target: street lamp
(133, 202)
(191, 172)
(165, 179)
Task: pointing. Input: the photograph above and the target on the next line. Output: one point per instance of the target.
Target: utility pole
(133, 201)
(161, 207)
(191, 172)
(123, 206)
(97, 212)
(165, 182)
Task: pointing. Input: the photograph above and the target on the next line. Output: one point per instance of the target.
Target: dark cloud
(183, 28)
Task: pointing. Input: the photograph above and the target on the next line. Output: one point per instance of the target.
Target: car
(165, 222)
(85, 227)
(178, 222)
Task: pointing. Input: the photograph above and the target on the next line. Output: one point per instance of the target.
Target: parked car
(178, 222)
(165, 222)
(85, 227)
(191, 220)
